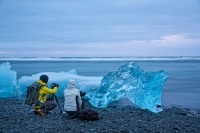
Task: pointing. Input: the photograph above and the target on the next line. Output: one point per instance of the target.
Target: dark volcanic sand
(15, 118)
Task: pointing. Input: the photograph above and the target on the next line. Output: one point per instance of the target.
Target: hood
(41, 82)
(71, 84)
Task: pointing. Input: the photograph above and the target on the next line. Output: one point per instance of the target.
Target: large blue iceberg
(130, 81)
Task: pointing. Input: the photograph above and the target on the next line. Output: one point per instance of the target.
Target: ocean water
(181, 89)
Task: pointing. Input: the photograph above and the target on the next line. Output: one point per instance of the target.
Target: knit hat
(44, 78)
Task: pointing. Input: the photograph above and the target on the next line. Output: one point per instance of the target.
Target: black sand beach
(15, 118)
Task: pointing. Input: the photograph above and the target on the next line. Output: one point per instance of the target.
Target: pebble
(16, 118)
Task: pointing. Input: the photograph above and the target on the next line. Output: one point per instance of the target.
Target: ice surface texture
(130, 81)
(142, 88)
(8, 81)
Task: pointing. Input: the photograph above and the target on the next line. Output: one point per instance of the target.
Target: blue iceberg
(130, 81)
(61, 78)
(8, 81)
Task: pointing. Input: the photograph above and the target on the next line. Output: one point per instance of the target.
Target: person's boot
(39, 111)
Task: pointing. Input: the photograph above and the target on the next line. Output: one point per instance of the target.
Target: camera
(54, 85)
(82, 93)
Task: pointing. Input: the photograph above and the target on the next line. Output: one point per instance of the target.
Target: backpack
(86, 114)
(33, 93)
(89, 115)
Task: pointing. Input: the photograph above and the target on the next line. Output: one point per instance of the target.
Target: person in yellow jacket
(44, 105)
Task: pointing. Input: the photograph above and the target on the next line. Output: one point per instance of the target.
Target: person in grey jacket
(70, 94)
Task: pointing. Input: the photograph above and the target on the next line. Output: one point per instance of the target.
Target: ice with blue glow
(8, 81)
(130, 81)
(61, 78)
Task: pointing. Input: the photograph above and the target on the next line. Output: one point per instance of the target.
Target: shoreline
(15, 118)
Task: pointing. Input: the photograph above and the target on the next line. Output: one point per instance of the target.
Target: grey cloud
(94, 21)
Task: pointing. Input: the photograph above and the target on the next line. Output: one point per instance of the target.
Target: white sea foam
(176, 58)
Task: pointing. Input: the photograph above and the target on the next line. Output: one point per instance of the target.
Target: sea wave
(179, 58)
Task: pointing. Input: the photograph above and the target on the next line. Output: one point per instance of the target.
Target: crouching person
(72, 102)
(43, 105)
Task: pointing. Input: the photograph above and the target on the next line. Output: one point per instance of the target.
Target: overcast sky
(99, 28)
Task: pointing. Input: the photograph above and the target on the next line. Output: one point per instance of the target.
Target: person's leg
(50, 105)
(38, 108)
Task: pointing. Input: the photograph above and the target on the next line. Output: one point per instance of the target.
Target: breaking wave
(178, 58)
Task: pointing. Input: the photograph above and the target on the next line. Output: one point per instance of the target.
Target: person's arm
(50, 91)
(79, 100)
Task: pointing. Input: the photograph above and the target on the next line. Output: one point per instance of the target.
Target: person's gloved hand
(54, 85)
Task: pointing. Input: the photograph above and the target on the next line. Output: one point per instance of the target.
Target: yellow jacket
(45, 91)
